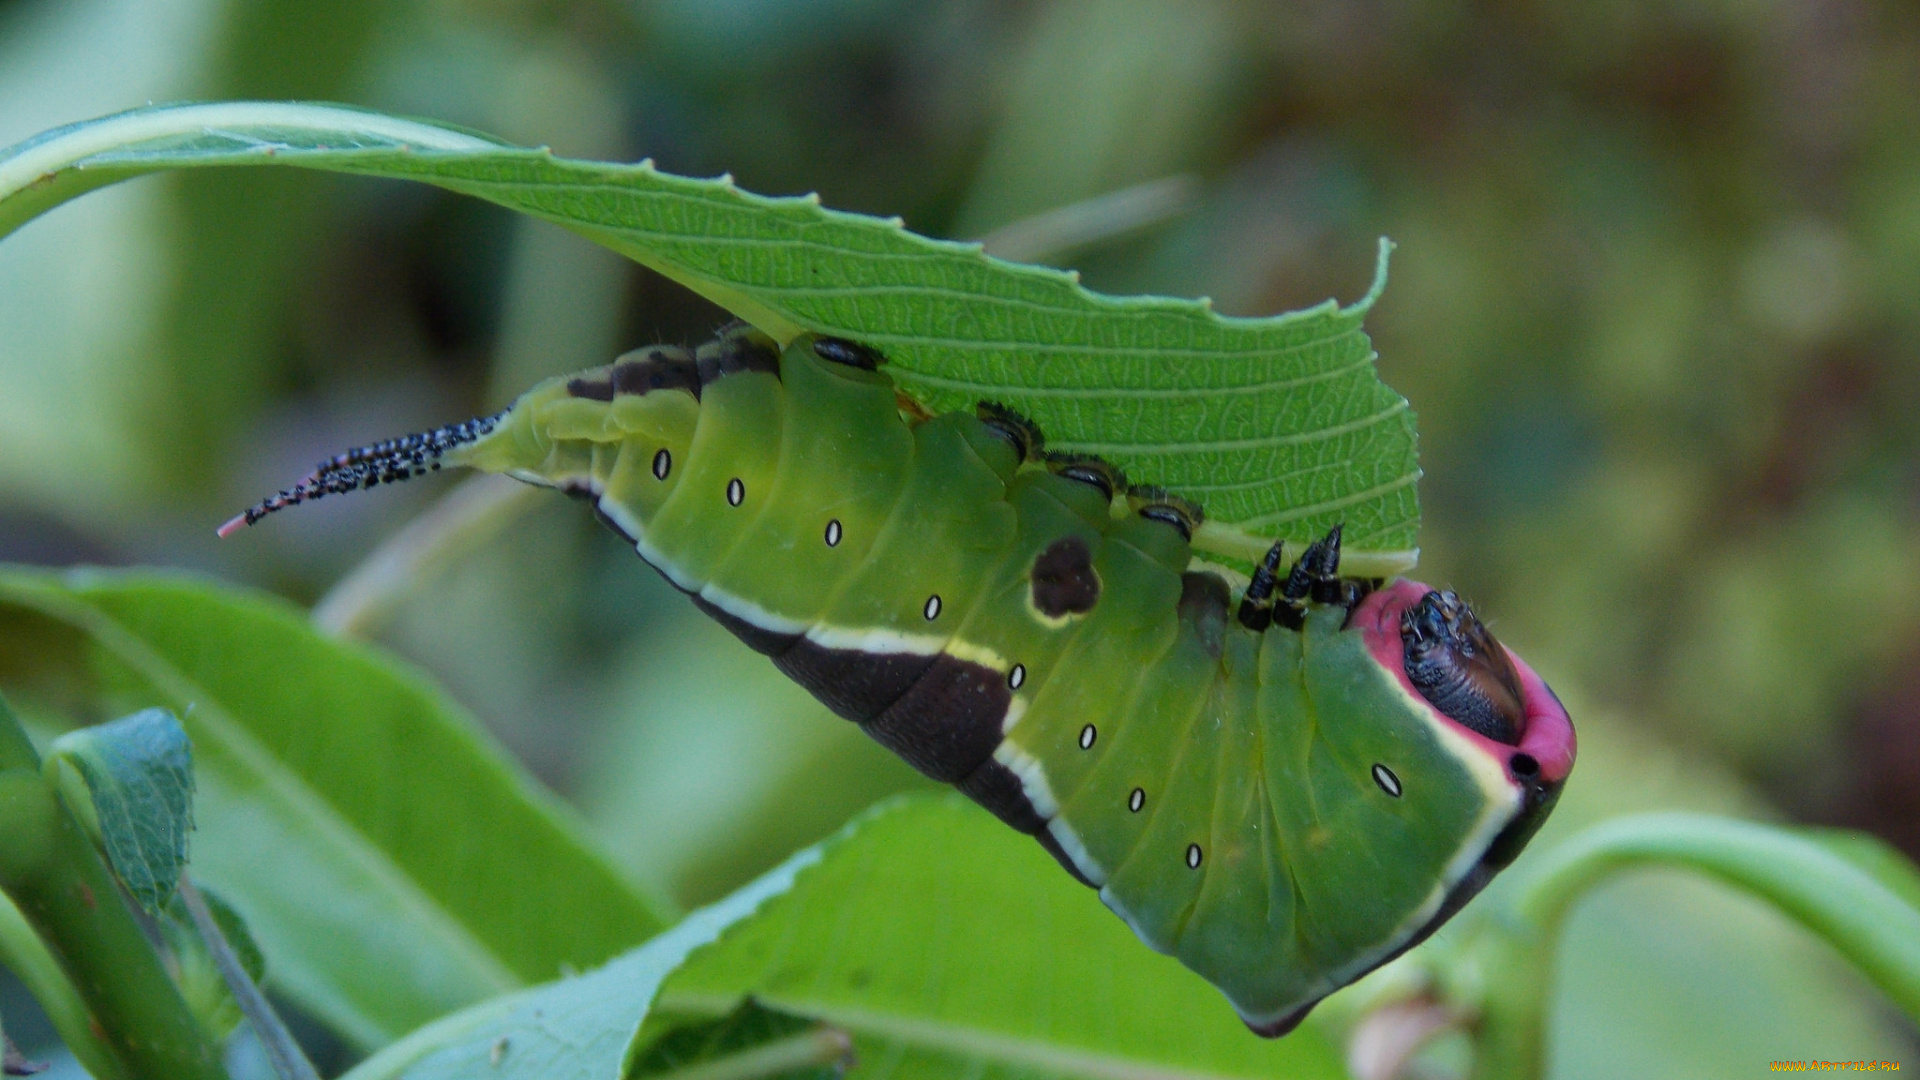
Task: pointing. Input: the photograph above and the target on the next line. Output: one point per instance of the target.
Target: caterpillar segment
(1284, 790)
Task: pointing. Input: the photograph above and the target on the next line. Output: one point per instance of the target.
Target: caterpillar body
(1284, 792)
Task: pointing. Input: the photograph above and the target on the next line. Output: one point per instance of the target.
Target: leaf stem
(289, 1062)
(1870, 925)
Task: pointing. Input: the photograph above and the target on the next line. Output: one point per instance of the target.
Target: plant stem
(462, 520)
(1870, 925)
(289, 1063)
(23, 953)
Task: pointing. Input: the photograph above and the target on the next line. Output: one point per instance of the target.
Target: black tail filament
(386, 462)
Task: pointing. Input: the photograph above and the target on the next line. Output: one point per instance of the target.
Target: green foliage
(325, 770)
(137, 791)
(752, 1041)
(1278, 426)
(947, 944)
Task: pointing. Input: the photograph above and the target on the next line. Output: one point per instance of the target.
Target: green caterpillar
(1284, 794)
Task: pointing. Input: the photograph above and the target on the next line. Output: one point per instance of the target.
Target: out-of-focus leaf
(947, 944)
(391, 863)
(138, 797)
(752, 1042)
(1279, 426)
(576, 1029)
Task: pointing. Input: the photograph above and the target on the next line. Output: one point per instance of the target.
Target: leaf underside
(1277, 426)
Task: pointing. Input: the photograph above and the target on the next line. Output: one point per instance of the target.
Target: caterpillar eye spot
(1017, 677)
(932, 610)
(1388, 782)
(1137, 800)
(1193, 856)
(1087, 735)
(833, 533)
(736, 492)
(662, 464)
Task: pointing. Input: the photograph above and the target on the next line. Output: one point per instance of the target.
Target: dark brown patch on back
(854, 684)
(948, 724)
(1063, 579)
(737, 350)
(592, 389)
(1203, 603)
(658, 368)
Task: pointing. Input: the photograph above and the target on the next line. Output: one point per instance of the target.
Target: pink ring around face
(1548, 738)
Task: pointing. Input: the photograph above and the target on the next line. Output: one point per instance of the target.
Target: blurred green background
(1656, 303)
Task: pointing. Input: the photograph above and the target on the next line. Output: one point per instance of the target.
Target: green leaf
(1279, 426)
(947, 944)
(393, 865)
(752, 1042)
(580, 1027)
(137, 799)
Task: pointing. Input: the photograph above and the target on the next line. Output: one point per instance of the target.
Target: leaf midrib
(968, 1040)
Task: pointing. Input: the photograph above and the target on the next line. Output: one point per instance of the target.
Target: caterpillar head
(1447, 659)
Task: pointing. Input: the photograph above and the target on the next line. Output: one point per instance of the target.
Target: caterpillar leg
(1315, 577)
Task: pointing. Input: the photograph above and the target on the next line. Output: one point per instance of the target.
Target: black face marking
(590, 389)
(736, 492)
(1017, 430)
(1017, 676)
(833, 532)
(1087, 735)
(948, 723)
(1388, 782)
(1063, 579)
(1455, 663)
(662, 464)
(842, 351)
(1203, 605)
(659, 368)
(1137, 800)
(932, 609)
(1193, 856)
(738, 349)
(854, 684)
